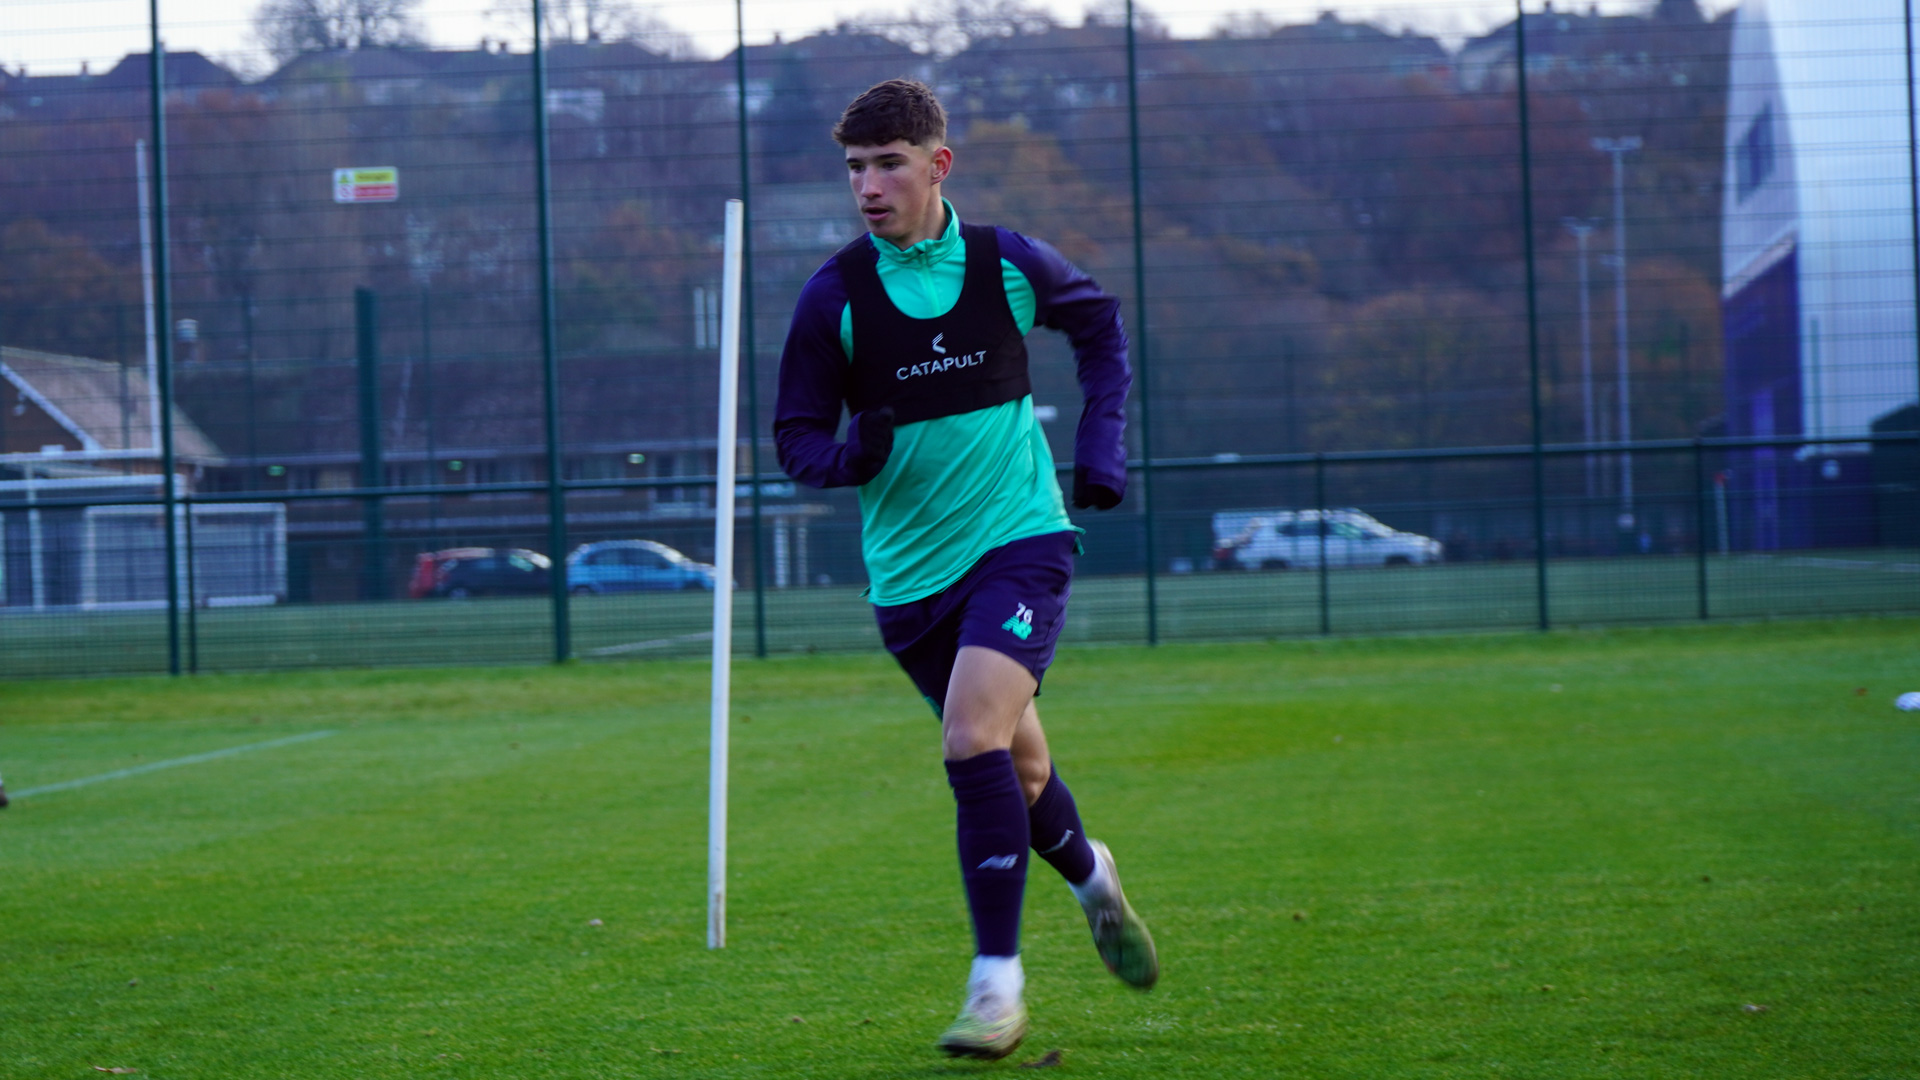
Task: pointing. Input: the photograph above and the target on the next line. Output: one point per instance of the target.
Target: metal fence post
(163, 316)
(193, 592)
(1533, 316)
(1700, 511)
(549, 355)
(1141, 334)
(746, 336)
(1320, 501)
(366, 322)
(427, 398)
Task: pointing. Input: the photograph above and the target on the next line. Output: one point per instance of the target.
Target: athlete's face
(897, 187)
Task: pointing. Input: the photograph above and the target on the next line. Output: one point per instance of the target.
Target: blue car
(632, 565)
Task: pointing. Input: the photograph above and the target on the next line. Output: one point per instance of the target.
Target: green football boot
(1118, 931)
(989, 1028)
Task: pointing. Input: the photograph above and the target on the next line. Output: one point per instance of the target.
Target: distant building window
(1754, 159)
(598, 467)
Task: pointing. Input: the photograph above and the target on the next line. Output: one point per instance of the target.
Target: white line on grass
(1853, 564)
(191, 759)
(643, 646)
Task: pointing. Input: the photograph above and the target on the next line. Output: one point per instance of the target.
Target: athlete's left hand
(1087, 493)
(869, 443)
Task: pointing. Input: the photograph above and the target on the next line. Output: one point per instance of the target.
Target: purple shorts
(1013, 601)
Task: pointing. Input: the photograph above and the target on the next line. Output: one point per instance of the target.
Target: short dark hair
(895, 109)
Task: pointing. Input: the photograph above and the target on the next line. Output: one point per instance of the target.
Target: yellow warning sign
(379, 183)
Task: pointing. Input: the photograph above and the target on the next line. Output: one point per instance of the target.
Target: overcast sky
(55, 36)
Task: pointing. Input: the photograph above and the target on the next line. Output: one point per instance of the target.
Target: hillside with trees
(1331, 218)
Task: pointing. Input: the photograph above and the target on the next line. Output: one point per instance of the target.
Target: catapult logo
(944, 363)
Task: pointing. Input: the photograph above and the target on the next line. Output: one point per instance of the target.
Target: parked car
(479, 571)
(1287, 539)
(428, 564)
(633, 565)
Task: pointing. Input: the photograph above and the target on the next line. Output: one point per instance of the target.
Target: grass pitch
(1649, 853)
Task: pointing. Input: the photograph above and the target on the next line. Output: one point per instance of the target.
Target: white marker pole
(723, 576)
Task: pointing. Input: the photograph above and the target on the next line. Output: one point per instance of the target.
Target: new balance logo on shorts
(1000, 862)
(1021, 625)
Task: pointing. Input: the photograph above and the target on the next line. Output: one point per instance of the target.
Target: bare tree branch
(948, 27)
(1114, 13)
(287, 28)
(590, 22)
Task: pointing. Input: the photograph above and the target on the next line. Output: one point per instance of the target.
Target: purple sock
(993, 847)
(1056, 834)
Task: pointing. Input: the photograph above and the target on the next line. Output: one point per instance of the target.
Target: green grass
(1580, 854)
(1192, 607)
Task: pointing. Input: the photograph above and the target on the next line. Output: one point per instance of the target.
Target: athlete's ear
(942, 163)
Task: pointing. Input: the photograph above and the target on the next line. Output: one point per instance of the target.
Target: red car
(478, 571)
(428, 566)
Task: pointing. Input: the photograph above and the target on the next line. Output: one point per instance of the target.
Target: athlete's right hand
(869, 443)
(1091, 494)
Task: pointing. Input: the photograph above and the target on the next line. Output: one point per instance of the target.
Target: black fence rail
(1249, 547)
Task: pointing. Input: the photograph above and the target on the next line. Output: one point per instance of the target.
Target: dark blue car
(632, 565)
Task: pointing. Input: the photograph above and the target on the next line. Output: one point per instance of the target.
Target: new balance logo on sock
(1061, 844)
(1021, 624)
(1000, 862)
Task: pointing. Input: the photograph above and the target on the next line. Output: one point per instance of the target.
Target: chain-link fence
(1443, 316)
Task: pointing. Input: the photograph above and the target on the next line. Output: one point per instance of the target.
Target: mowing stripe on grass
(643, 646)
(190, 759)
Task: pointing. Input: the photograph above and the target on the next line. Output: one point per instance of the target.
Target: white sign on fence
(371, 184)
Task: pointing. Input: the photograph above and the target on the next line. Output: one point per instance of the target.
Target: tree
(946, 28)
(1422, 368)
(59, 295)
(1113, 13)
(1245, 25)
(287, 28)
(594, 22)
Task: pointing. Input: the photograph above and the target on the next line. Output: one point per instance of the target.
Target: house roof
(90, 399)
(185, 69)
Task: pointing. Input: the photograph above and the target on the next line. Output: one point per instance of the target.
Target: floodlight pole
(1582, 228)
(146, 293)
(1618, 149)
(726, 445)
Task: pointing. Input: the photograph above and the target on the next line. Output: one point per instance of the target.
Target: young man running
(919, 330)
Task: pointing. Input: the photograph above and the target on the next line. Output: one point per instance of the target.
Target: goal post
(238, 555)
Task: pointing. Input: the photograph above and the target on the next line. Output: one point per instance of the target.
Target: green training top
(956, 487)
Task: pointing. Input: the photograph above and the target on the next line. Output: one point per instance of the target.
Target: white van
(1292, 539)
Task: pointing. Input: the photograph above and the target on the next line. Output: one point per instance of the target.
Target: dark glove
(1090, 493)
(869, 443)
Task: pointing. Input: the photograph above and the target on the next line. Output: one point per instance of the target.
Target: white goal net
(238, 555)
